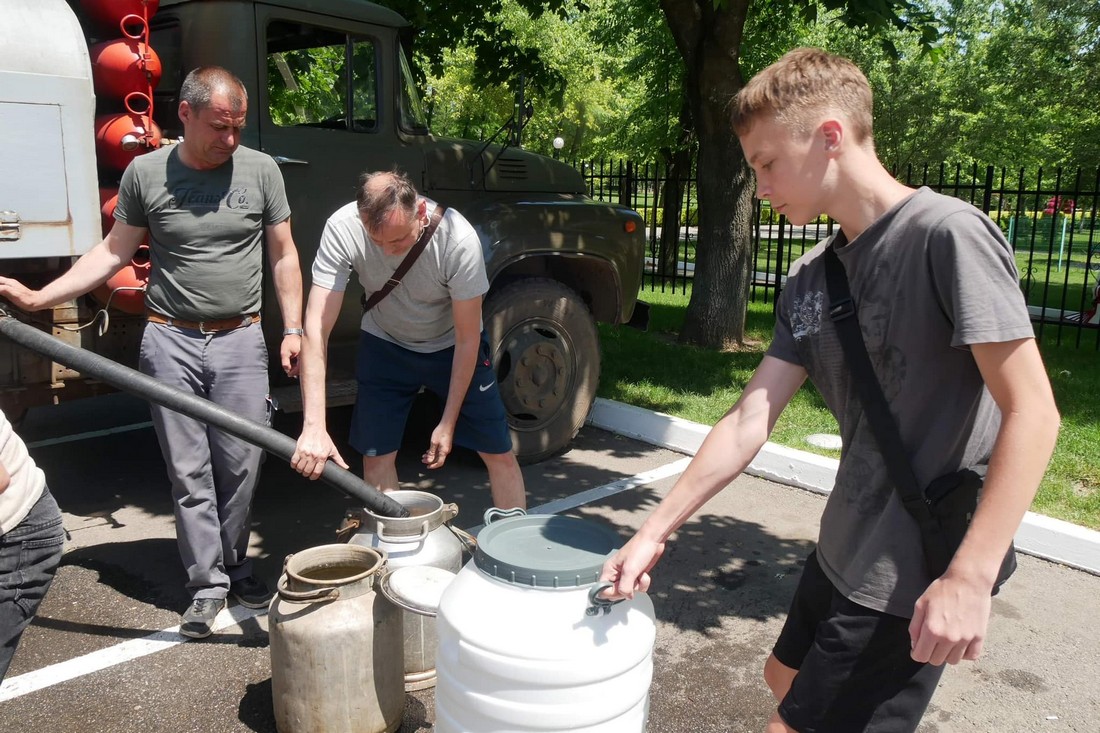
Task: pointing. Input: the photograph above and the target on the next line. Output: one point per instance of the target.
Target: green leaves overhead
(499, 57)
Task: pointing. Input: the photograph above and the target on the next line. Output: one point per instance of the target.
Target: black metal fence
(1051, 220)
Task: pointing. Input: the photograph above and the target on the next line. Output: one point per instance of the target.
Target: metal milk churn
(335, 644)
(423, 539)
(526, 644)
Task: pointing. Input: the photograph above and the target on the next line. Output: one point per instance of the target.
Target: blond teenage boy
(949, 336)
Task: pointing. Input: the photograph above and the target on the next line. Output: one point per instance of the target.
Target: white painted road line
(115, 655)
(602, 492)
(91, 434)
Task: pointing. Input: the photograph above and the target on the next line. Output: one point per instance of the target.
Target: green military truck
(331, 95)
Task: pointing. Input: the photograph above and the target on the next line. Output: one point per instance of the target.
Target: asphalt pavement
(102, 655)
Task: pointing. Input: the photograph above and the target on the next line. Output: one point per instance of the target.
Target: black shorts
(854, 669)
(390, 376)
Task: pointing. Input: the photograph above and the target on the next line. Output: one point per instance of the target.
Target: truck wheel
(546, 352)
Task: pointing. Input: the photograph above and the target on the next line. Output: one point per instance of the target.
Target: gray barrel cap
(545, 551)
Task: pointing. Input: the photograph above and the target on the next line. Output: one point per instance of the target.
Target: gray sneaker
(197, 621)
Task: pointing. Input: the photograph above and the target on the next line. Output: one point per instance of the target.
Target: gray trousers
(213, 474)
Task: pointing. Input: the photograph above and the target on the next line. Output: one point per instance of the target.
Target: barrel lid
(545, 551)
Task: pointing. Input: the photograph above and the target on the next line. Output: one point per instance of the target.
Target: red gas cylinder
(108, 13)
(108, 197)
(121, 138)
(132, 279)
(123, 66)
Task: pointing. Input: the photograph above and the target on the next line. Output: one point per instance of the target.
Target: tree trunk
(677, 169)
(715, 316)
(672, 199)
(709, 39)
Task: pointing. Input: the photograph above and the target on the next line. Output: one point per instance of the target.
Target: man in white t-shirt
(427, 332)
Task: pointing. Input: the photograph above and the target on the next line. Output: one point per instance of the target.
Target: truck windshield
(412, 114)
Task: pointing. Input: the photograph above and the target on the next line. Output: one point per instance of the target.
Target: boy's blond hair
(802, 85)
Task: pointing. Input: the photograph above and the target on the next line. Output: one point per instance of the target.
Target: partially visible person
(426, 332)
(31, 540)
(938, 303)
(209, 209)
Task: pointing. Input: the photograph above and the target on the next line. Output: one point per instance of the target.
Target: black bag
(944, 509)
(952, 500)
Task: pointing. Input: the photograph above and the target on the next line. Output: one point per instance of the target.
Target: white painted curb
(1041, 536)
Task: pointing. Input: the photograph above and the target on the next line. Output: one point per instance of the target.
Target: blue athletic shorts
(390, 376)
(854, 668)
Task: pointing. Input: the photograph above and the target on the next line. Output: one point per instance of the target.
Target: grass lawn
(650, 370)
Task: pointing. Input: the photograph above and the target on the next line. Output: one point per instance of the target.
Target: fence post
(987, 195)
(779, 257)
(626, 185)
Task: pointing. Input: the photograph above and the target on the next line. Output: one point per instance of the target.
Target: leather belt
(215, 326)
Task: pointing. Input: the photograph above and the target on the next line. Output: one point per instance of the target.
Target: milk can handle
(469, 542)
(307, 596)
(398, 539)
(600, 605)
(492, 514)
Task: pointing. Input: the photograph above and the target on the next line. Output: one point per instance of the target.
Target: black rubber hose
(203, 410)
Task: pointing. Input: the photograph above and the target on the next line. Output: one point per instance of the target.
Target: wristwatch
(293, 332)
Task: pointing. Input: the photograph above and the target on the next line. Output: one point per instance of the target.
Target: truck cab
(332, 95)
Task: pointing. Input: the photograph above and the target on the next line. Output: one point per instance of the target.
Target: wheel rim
(536, 369)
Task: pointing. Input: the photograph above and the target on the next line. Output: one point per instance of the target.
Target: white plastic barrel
(525, 645)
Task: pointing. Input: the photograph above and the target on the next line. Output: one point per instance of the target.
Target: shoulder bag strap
(842, 312)
(410, 258)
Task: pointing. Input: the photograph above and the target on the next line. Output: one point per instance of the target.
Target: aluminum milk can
(336, 655)
(421, 539)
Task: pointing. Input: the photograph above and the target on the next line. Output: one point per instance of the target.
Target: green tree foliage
(498, 54)
(1038, 96)
(654, 123)
(1011, 84)
(587, 108)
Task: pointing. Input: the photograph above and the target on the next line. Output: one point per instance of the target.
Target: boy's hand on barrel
(628, 569)
(313, 450)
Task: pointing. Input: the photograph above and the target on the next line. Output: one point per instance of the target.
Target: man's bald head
(382, 193)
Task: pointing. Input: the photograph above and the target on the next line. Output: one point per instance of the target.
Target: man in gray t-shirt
(426, 332)
(939, 307)
(208, 208)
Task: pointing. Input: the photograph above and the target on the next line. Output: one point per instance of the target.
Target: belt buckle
(202, 329)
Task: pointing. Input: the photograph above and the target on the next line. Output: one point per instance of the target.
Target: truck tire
(546, 353)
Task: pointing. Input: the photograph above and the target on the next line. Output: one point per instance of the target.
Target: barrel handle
(600, 605)
(306, 596)
(399, 539)
(492, 514)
